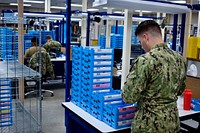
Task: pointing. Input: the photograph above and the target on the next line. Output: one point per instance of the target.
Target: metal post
(47, 9)
(68, 41)
(126, 45)
(174, 32)
(84, 23)
(116, 27)
(108, 29)
(88, 30)
(63, 30)
(182, 32)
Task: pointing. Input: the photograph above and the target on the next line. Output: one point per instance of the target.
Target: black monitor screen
(55, 51)
(118, 55)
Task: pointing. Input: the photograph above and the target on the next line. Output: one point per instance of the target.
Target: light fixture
(107, 8)
(92, 9)
(179, 1)
(16, 4)
(58, 7)
(33, 1)
(118, 12)
(76, 5)
(41, 15)
(143, 11)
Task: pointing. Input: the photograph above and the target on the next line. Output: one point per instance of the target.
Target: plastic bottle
(187, 97)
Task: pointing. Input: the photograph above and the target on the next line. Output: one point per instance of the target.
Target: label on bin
(103, 50)
(126, 116)
(4, 87)
(101, 80)
(4, 91)
(4, 82)
(109, 97)
(103, 57)
(102, 74)
(97, 91)
(102, 68)
(127, 109)
(125, 122)
(113, 102)
(102, 62)
(4, 95)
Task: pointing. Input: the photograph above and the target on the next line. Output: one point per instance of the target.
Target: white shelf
(101, 126)
(171, 8)
(184, 112)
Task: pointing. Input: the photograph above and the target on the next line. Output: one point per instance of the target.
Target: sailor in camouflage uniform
(155, 81)
(47, 68)
(51, 44)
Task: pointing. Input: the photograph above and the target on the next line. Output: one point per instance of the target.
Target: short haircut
(148, 26)
(35, 40)
(48, 37)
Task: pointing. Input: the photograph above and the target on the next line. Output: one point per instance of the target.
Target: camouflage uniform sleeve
(136, 82)
(183, 83)
(49, 66)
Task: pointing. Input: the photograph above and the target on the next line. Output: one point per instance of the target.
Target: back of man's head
(35, 41)
(48, 37)
(149, 26)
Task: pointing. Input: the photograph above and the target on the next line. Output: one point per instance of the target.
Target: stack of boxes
(96, 73)
(102, 41)
(134, 39)
(76, 75)
(118, 115)
(5, 42)
(92, 84)
(5, 103)
(116, 41)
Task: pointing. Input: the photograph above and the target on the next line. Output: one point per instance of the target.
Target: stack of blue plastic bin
(118, 115)
(5, 103)
(5, 42)
(134, 39)
(96, 74)
(76, 74)
(116, 41)
(102, 41)
(99, 100)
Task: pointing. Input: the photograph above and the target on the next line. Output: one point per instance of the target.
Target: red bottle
(187, 97)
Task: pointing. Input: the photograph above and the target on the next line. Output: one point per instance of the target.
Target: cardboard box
(193, 84)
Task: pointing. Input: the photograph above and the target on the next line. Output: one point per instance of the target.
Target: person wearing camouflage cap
(51, 44)
(155, 81)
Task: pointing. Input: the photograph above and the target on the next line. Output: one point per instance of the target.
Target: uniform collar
(160, 45)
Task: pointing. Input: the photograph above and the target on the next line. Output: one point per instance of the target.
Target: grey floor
(52, 111)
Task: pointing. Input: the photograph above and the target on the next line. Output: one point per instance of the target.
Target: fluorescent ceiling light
(107, 8)
(33, 1)
(118, 12)
(76, 5)
(16, 4)
(58, 7)
(110, 17)
(143, 11)
(179, 1)
(41, 15)
(92, 9)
